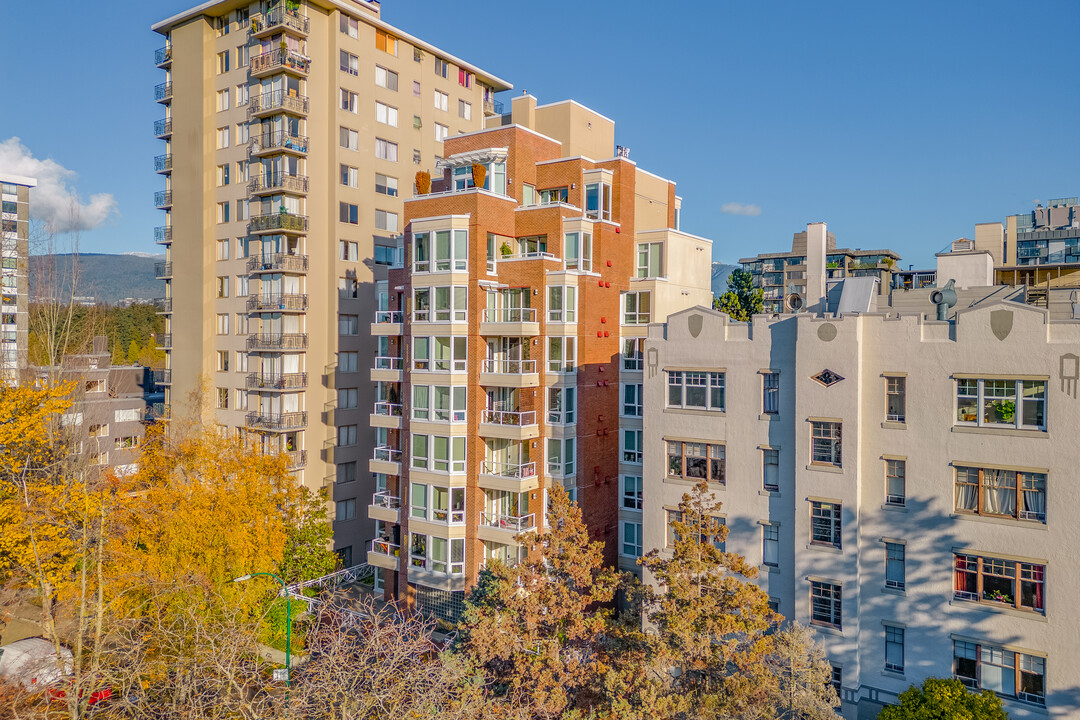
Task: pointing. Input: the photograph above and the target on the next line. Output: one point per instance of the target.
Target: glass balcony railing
(278, 221)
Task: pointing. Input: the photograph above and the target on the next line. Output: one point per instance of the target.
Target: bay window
(562, 405)
(577, 250)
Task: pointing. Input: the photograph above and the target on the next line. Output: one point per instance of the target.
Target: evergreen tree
(742, 300)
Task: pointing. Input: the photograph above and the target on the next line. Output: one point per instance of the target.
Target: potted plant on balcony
(505, 249)
(479, 175)
(423, 182)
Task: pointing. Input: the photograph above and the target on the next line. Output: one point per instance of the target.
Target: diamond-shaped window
(827, 377)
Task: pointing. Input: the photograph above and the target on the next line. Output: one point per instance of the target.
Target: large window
(825, 523)
(631, 539)
(650, 260)
(439, 504)
(562, 354)
(1014, 674)
(562, 304)
(438, 453)
(577, 249)
(632, 490)
(632, 400)
(895, 399)
(439, 403)
(637, 308)
(633, 354)
(825, 446)
(1001, 403)
(825, 604)
(632, 446)
(1010, 583)
(440, 304)
(696, 390)
(386, 78)
(450, 249)
(696, 461)
(562, 405)
(385, 150)
(598, 204)
(561, 456)
(441, 354)
(437, 554)
(1006, 493)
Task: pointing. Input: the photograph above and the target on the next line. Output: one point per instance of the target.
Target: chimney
(816, 239)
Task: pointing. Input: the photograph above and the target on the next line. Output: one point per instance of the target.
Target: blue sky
(899, 124)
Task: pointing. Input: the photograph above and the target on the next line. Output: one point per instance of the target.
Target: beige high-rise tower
(293, 133)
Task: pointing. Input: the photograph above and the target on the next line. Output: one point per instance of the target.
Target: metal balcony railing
(283, 17)
(163, 234)
(278, 221)
(514, 523)
(280, 59)
(163, 163)
(163, 55)
(163, 127)
(163, 377)
(278, 100)
(510, 470)
(505, 417)
(274, 341)
(163, 270)
(270, 182)
(277, 262)
(279, 140)
(164, 305)
(388, 409)
(509, 367)
(509, 315)
(163, 92)
(295, 459)
(262, 303)
(388, 317)
(163, 340)
(276, 381)
(163, 199)
(277, 421)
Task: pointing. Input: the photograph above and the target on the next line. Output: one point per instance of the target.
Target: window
(770, 544)
(825, 443)
(385, 150)
(631, 539)
(441, 131)
(825, 523)
(347, 398)
(386, 78)
(345, 510)
(242, 94)
(223, 398)
(1014, 674)
(770, 469)
(554, 195)
(464, 78)
(825, 604)
(346, 435)
(894, 648)
(632, 490)
(633, 354)
(386, 255)
(895, 391)
(894, 565)
(416, 93)
(562, 354)
(1001, 403)
(222, 286)
(224, 214)
(441, 67)
(450, 353)
(464, 110)
(223, 25)
(895, 470)
(348, 362)
(696, 461)
(386, 42)
(350, 139)
(349, 62)
(242, 166)
(696, 390)
(386, 114)
(451, 250)
(350, 26)
(1010, 583)
(223, 62)
(348, 250)
(223, 360)
(442, 101)
(1005, 493)
(562, 404)
(714, 523)
(632, 446)
(650, 260)
(577, 247)
(350, 176)
(770, 393)
(346, 472)
(438, 453)
(242, 209)
(386, 185)
(348, 325)
(632, 399)
(222, 249)
(223, 99)
(598, 207)
(386, 220)
(562, 303)
(350, 101)
(349, 213)
(561, 456)
(637, 308)
(222, 138)
(416, 157)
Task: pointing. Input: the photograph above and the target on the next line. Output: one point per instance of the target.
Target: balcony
(163, 128)
(509, 425)
(278, 182)
(163, 234)
(276, 421)
(510, 523)
(509, 321)
(163, 164)
(163, 377)
(274, 142)
(277, 101)
(509, 373)
(384, 554)
(277, 341)
(275, 60)
(296, 459)
(387, 415)
(278, 20)
(163, 93)
(163, 270)
(385, 460)
(163, 305)
(387, 369)
(385, 507)
(163, 56)
(513, 471)
(278, 302)
(163, 199)
(278, 222)
(164, 340)
(277, 262)
(387, 322)
(493, 107)
(276, 381)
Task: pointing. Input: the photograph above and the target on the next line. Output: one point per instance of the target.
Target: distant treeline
(129, 330)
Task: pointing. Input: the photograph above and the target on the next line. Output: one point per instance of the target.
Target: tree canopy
(742, 300)
(941, 699)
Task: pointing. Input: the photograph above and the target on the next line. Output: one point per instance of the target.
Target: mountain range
(102, 277)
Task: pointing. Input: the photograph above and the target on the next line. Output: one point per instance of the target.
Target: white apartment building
(14, 262)
(904, 483)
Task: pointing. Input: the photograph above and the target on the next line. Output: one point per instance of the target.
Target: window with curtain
(1007, 493)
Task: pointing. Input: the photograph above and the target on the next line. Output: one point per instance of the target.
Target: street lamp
(288, 624)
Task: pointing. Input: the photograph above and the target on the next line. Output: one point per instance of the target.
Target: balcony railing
(505, 417)
(278, 221)
(163, 55)
(164, 340)
(276, 381)
(278, 181)
(385, 501)
(386, 454)
(163, 377)
(508, 522)
(509, 315)
(163, 163)
(163, 234)
(385, 547)
(270, 21)
(295, 459)
(388, 317)
(280, 59)
(509, 367)
(163, 270)
(163, 127)
(163, 199)
(271, 341)
(277, 262)
(510, 470)
(384, 362)
(277, 100)
(277, 421)
(163, 92)
(279, 140)
(262, 303)
(387, 409)
(163, 305)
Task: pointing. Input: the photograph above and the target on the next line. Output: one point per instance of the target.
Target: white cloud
(734, 208)
(54, 202)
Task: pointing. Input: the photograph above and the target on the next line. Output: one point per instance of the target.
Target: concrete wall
(968, 269)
